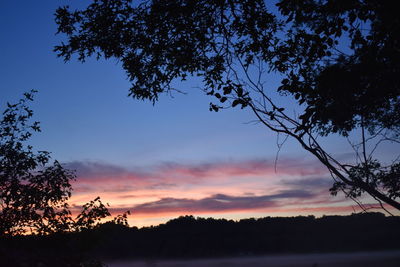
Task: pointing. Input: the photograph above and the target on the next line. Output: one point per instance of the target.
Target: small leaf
(227, 90)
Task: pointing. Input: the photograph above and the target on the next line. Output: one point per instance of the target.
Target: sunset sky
(173, 158)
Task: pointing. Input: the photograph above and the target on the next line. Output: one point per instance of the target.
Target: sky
(158, 161)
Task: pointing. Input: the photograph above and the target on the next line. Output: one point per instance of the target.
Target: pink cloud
(92, 176)
(293, 167)
(225, 187)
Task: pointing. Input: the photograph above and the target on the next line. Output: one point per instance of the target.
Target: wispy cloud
(245, 168)
(311, 182)
(107, 177)
(212, 188)
(219, 202)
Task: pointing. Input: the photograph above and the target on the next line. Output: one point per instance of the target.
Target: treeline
(187, 237)
(199, 237)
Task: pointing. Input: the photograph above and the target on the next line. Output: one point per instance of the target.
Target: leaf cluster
(349, 63)
(159, 41)
(32, 194)
(373, 174)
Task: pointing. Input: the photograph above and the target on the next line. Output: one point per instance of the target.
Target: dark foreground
(295, 241)
(355, 259)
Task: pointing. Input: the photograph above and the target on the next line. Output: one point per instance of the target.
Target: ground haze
(361, 259)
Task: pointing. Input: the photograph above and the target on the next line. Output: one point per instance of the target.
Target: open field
(364, 259)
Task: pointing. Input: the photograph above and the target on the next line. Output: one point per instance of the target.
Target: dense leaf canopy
(354, 77)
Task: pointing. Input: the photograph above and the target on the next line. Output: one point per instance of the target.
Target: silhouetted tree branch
(338, 59)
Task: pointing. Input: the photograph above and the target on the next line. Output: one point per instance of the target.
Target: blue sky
(88, 103)
(85, 112)
(89, 122)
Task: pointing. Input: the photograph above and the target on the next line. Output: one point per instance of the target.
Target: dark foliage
(191, 237)
(188, 237)
(34, 193)
(352, 81)
(160, 41)
(345, 87)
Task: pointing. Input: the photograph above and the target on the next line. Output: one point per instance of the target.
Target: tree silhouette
(338, 59)
(34, 193)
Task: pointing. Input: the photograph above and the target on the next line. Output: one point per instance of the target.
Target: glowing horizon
(231, 190)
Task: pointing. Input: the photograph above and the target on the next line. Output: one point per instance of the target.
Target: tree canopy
(345, 87)
(338, 59)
